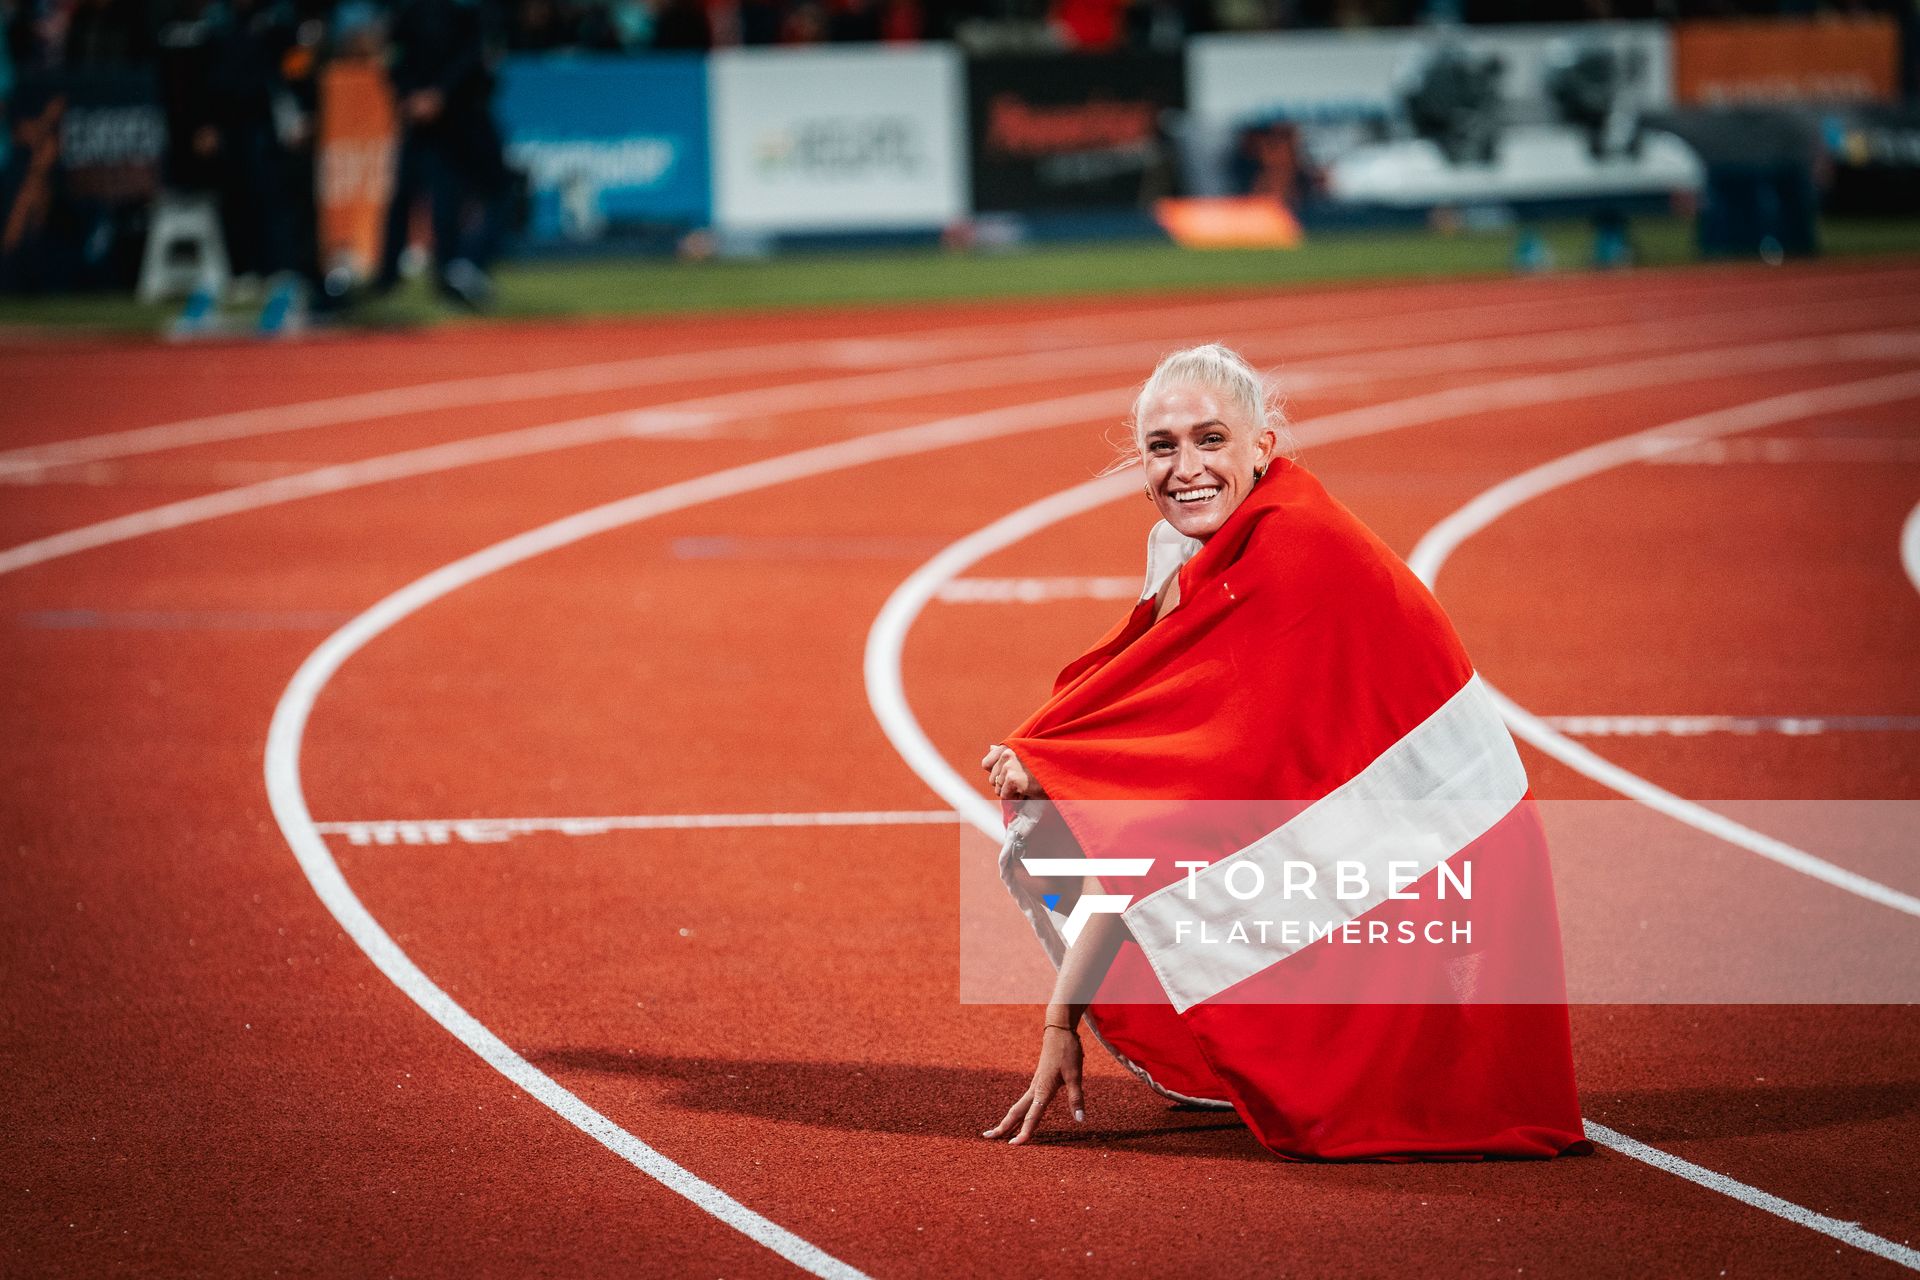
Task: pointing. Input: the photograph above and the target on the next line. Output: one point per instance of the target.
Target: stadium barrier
(768, 145)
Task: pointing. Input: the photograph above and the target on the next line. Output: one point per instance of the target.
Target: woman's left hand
(1008, 777)
(1060, 1060)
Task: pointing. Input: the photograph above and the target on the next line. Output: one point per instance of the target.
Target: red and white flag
(1341, 912)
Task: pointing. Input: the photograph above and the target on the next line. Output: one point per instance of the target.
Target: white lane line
(1746, 726)
(330, 479)
(1792, 451)
(616, 375)
(684, 415)
(397, 831)
(933, 379)
(288, 800)
(287, 794)
(495, 389)
(369, 406)
(886, 694)
(887, 637)
(1836, 1228)
(1036, 590)
(197, 473)
(700, 413)
(1551, 388)
(613, 375)
(181, 619)
(1583, 344)
(885, 641)
(1910, 546)
(1444, 538)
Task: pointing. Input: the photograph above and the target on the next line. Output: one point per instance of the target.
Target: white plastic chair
(185, 251)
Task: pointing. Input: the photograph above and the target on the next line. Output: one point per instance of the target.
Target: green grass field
(654, 285)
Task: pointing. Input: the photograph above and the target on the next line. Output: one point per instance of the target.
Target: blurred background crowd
(119, 114)
(103, 33)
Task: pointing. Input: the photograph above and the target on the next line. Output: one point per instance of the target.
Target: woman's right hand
(1059, 1067)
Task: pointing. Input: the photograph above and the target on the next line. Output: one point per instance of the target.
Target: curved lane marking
(707, 411)
(1910, 546)
(615, 375)
(290, 717)
(281, 764)
(850, 352)
(287, 730)
(887, 637)
(698, 413)
(1444, 538)
(421, 831)
(1603, 726)
(501, 388)
(886, 694)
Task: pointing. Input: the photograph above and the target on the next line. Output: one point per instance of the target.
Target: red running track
(207, 1073)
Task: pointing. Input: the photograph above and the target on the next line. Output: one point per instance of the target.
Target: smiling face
(1201, 450)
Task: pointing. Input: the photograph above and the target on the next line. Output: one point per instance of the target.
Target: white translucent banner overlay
(1462, 901)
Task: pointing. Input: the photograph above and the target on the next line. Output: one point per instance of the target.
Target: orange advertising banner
(1835, 59)
(357, 140)
(1228, 222)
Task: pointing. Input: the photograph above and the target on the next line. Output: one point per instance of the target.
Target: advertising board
(837, 139)
(1339, 75)
(1416, 118)
(355, 156)
(1072, 131)
(1852, 58)
(608, 142)
(85, 162)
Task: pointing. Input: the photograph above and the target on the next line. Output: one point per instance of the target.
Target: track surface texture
(734, 1047)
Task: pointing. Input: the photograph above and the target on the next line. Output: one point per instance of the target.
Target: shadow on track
(1742, 1111)
(907, 1098)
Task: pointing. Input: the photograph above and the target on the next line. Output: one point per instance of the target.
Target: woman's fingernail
(1079, 1117)
(986, 1133)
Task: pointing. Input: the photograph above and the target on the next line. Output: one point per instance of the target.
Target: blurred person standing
(683, 25)
(1092, 25)
(262, 131)
(240, 130)
(106, 34)
(853, 22)
(536, 26)
(760, 21)
(7, 16)
(185, 76)
(451, 154)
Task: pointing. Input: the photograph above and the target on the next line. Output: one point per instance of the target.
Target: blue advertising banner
(608, 143)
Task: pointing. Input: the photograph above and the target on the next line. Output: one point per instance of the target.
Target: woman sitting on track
(1385, 980)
